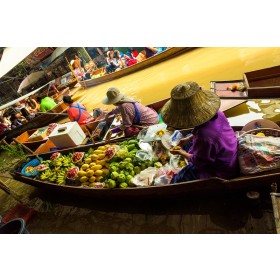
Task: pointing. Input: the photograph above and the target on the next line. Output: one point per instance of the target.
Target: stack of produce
(110, 166)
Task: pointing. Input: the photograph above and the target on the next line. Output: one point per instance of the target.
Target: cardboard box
(263, 83)
(67, 135)
(39, 134)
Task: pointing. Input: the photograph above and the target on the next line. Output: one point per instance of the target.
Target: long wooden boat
(41, 120)
(167, 54)
(45, 146)
(248, 182)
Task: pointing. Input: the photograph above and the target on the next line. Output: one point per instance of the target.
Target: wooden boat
(250, 182)
(90, 127)
(167, 54)
(41, 120)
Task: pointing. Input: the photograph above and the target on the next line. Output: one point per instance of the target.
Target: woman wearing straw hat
(211, 149)
(132, 112)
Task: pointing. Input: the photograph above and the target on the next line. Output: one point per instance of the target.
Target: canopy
(22, 97)
(57, 53)
(12, 57)
(32, 78)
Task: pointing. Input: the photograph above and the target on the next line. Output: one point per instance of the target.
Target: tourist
(79, 71)
(46, 103)
(16, 120)
(132, 112)
(211, 149)
(112, 64)
(3, 126)
(119, 60)
(132, 53)
(150, 51)
(76, 112)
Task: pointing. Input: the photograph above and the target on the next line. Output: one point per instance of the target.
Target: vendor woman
(211, 149)
(132, 112)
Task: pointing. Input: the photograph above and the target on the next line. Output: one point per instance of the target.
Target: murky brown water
(201, 65)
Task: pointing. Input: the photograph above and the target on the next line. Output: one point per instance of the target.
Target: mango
(105, 170)
(92, 164)
(102, 148)
(94, 157)
(90, 173)
(96, 167)
(92, 179)
(85, 166)
(82, 173)
(83, 179)
(101, 156)
(85, 183)
(101, 162)
(88, 160)
(98, 173)
(99, 178)
(91, 185)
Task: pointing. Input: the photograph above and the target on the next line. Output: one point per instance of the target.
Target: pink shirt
(80, 74)
(148, 116)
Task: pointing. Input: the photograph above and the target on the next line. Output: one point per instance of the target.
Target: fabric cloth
(148, 116)
(215, 149)
(47, 104)
(77, 112)
(3, 128)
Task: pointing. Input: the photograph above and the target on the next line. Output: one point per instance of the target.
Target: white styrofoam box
(67, 135)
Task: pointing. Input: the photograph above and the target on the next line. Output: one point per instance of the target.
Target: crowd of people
(23, 112)
(117, 60)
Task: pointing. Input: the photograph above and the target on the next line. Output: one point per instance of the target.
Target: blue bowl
(34, 162)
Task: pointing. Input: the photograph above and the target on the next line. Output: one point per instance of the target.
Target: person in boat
(132, 53)
(79, 71)
(3, 126)
(119, 60)
(16, 120)
(131, 111)
(211, 148)
(150, 51)
(76, 112)
(112, 64)
(46, 103)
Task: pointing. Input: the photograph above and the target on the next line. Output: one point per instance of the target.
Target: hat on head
(114, 96)
(189, 106)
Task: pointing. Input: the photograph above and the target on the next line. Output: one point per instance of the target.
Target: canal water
(201, 65)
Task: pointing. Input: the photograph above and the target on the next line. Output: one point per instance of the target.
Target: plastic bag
(176, 137)
(145, 178)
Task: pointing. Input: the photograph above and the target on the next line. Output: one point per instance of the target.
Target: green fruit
(128, 179)
(137, 169)
(113, 168)
(143, 166)
(111, 184)
(114, 175)
(130, 147)
(128, 160)
(121, 178)
(123, 185)
(157, 164)
(132, 173)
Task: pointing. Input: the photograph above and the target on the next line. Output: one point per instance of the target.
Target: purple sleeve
(203, 152)
(114, 111)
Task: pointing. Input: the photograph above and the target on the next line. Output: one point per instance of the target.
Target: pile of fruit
(109, 166)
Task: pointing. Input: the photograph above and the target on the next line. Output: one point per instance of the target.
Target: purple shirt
(214, 149)
(148, 116)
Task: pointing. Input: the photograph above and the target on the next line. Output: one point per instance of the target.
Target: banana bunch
(45, 175)
(52, 178)
(67, 161)
(61, 177)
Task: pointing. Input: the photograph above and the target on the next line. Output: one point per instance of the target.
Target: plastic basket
(34, 162)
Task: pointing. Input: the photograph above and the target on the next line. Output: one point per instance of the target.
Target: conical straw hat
(189, 106)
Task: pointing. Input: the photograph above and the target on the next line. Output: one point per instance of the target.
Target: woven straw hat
(189, 106)
(113, 96)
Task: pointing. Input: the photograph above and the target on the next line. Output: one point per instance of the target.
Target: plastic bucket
(16, 226)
